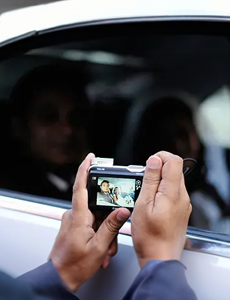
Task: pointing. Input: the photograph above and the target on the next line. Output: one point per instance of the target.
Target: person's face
(116, 191)
(105, 187)
(56, 134)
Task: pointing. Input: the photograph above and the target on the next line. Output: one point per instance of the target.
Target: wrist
(157, 256)
(67, 276)
(143, 262)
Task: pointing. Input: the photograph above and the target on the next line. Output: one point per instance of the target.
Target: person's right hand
(85, 242)
(161, 213)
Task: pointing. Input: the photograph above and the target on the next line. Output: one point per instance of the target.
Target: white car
(134, 53)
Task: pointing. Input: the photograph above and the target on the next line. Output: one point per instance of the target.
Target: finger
(151, 180)
(106, 262)
(111, 252)
(184, 193)
(113, 247)
(80, 193)
(111, 226)
(172, 166)
(164, 156)
(172, 173)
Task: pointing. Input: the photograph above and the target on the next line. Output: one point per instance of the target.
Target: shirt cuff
(45, 281)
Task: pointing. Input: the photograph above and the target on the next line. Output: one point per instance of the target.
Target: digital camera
(111, 187)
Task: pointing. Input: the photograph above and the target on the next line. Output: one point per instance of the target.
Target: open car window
(125, 97)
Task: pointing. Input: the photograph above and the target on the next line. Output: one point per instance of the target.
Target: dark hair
(44, 78)
(155, 132)
(104, 181)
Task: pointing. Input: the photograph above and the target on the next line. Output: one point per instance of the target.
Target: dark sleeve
(45, 282)
(10, 289)
(161, 281)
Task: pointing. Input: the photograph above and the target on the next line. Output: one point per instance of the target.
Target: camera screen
(116, 192)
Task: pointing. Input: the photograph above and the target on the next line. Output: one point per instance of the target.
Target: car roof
(41, 17)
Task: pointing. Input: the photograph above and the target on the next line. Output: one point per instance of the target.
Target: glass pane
(121, 97)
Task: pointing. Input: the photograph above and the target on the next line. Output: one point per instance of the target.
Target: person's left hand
(80, 250)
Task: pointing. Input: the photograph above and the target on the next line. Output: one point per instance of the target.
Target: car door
(152, 83)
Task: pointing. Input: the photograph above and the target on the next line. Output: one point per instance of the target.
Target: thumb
(111, 226)
(151, 180)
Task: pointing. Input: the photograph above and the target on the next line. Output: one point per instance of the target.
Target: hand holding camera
(86, 240)
(160, 217)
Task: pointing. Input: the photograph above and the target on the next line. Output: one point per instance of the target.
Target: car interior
(144, 93)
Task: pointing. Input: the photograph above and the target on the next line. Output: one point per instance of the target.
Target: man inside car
(104, 196)
(50, 116)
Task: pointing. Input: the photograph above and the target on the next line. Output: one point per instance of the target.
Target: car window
(120, 97)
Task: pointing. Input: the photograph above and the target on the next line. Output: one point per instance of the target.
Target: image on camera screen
(116, 191)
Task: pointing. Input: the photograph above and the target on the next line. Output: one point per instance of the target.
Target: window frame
(101, 29)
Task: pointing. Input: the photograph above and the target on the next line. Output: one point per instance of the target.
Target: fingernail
(153, 162)
(89, 155)
(122, 216)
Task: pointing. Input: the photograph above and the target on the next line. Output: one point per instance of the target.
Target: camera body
(111, 187)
